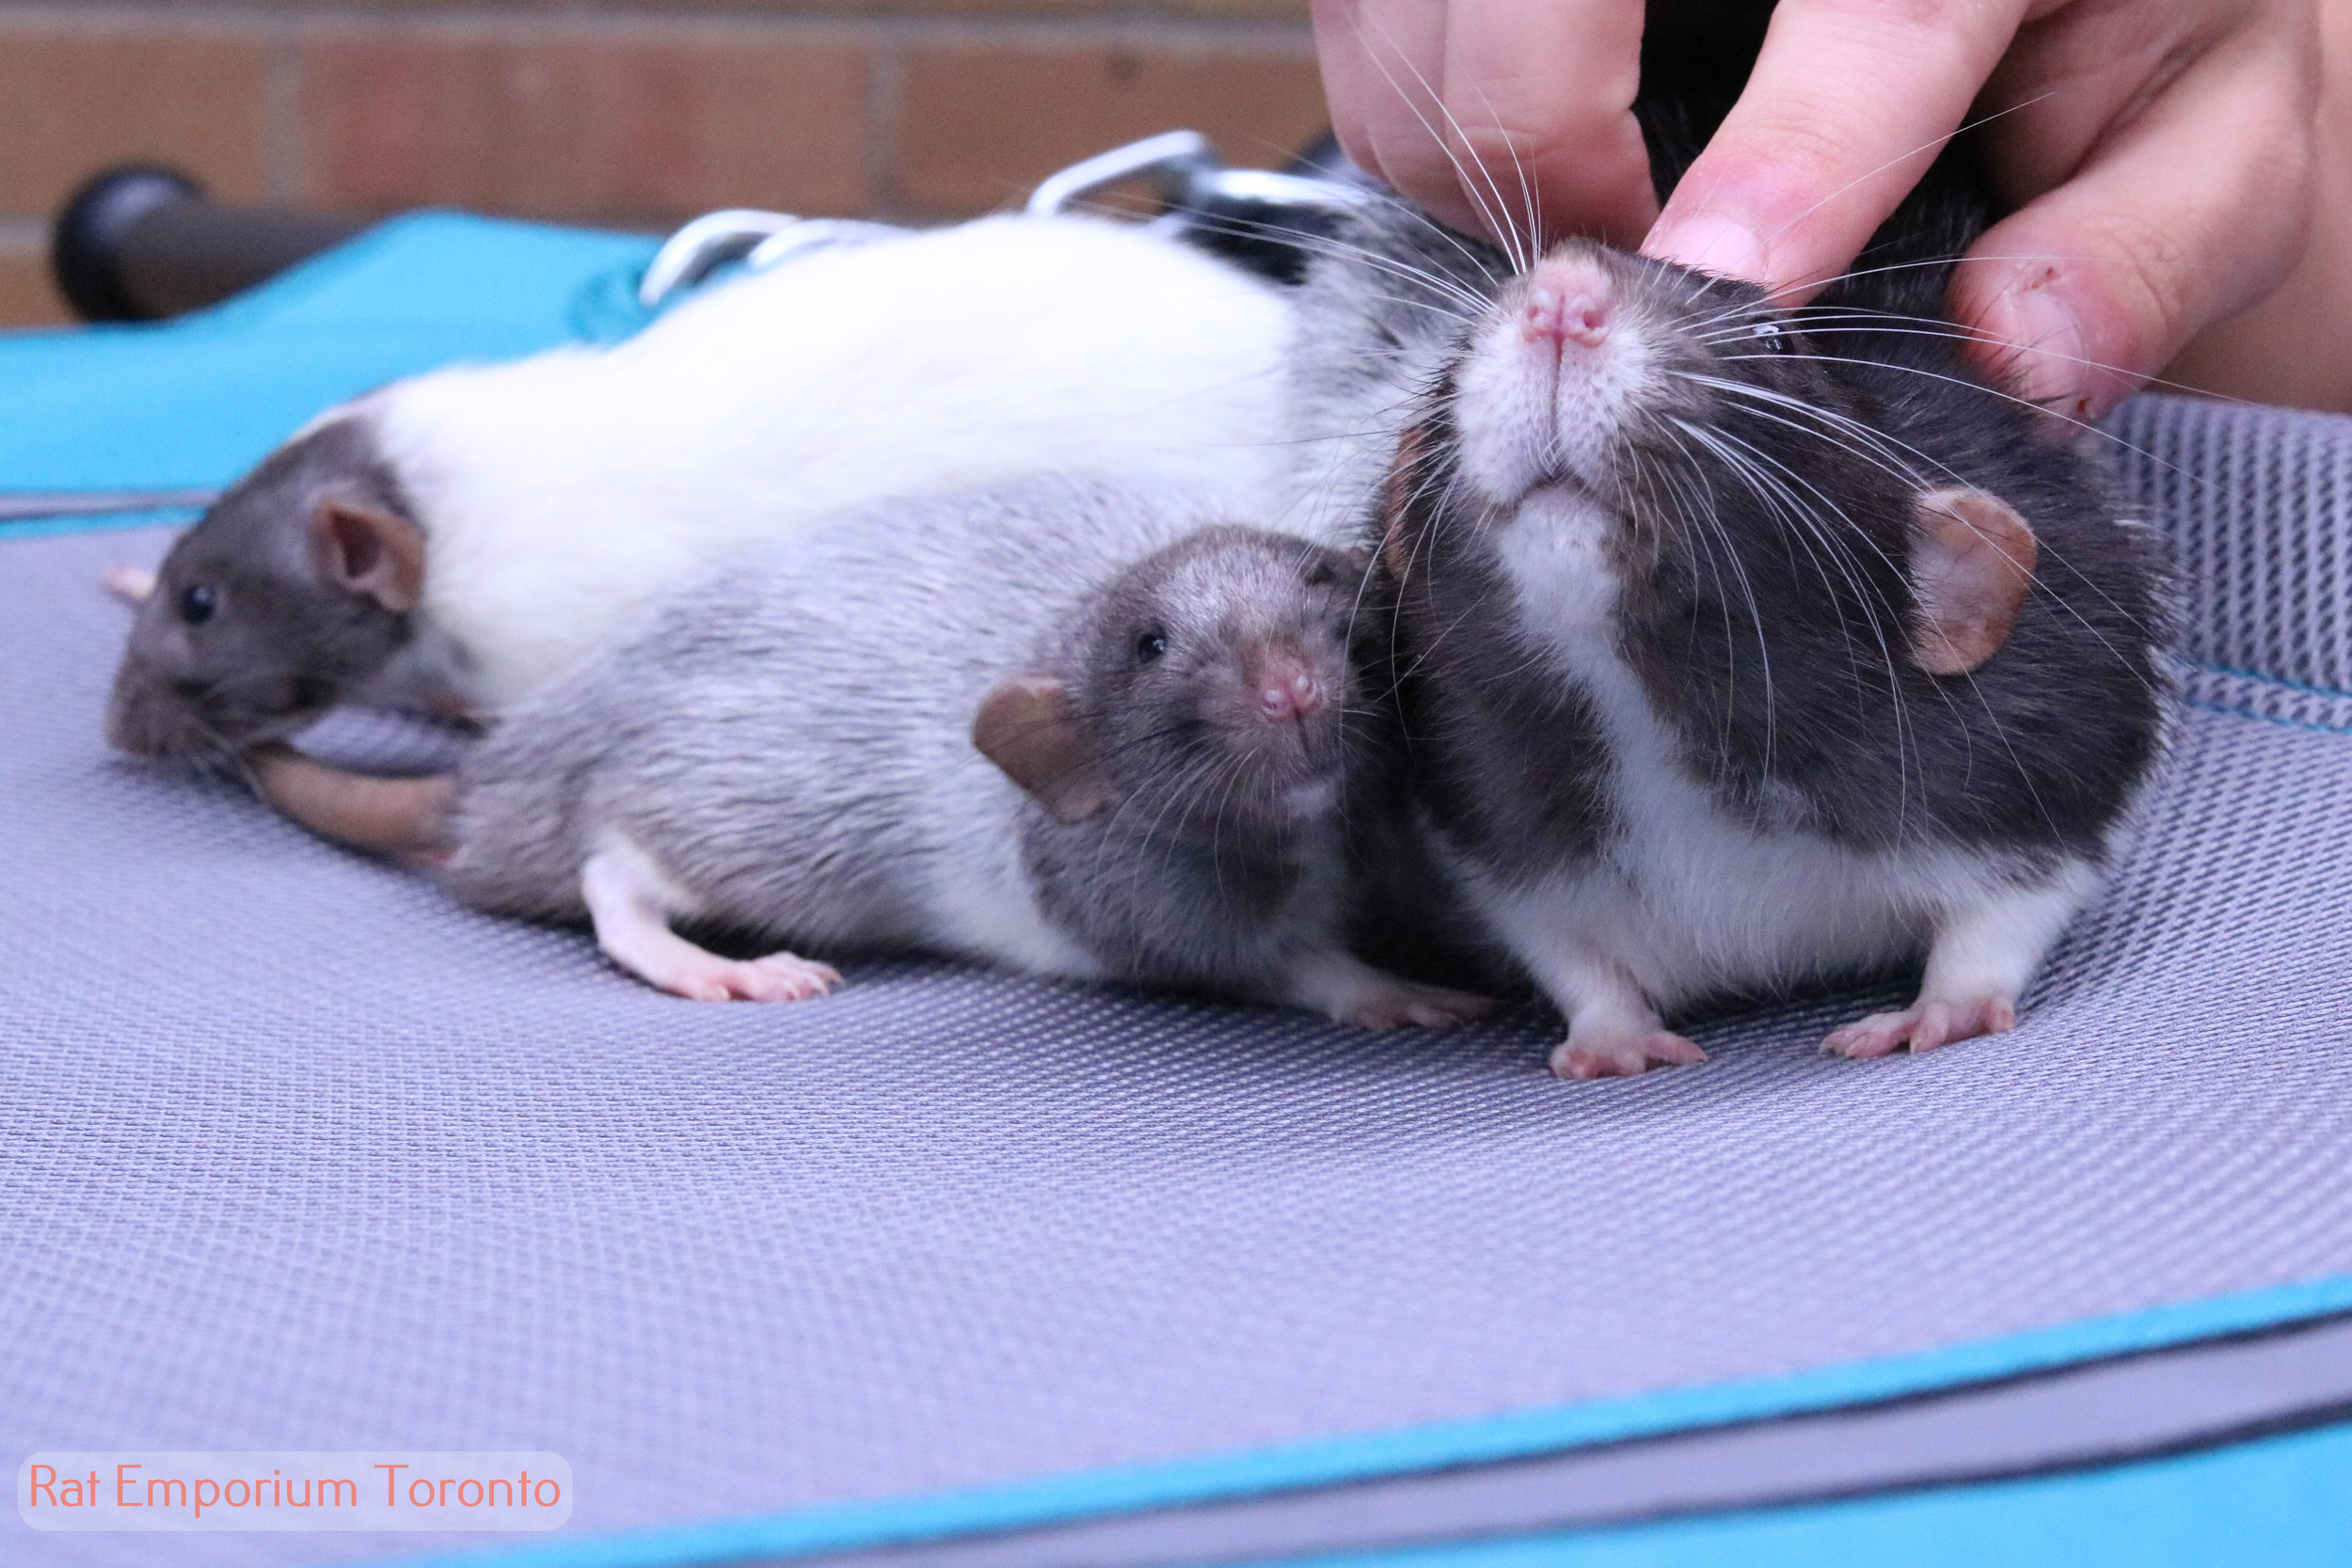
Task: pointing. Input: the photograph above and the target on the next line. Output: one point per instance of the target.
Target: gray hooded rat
(1064, 727)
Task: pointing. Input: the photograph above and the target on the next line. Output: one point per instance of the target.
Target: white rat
(463, 536)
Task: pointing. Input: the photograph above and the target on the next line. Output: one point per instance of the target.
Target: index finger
(1539, 99)
(1381, 62)
(1849, 103)
(1510, 117)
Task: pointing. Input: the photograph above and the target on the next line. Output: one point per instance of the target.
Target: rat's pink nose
(1569, 301)
(1285, 682)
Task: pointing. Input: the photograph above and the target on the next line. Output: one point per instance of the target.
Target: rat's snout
(1570, 300)
(1283, 681)
(144, 720)
(1551, 380)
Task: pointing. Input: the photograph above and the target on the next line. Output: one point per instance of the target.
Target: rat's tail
(405, 819)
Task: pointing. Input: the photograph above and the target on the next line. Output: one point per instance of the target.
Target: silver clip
(811, 234)
(746, 235)
(1183, 169)
(1172, 162)
(706, 245)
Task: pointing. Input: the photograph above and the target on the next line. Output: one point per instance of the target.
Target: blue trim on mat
(1093, 1494)
(2284, 723)
(2236, 672)
(98, 522)
(2275, 1502)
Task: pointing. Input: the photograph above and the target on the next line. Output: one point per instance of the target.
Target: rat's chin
(1519, 430)
(1310, 798)
(158, 731)
(1507, 470)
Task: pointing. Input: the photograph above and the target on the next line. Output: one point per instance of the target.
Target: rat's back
(560, 491)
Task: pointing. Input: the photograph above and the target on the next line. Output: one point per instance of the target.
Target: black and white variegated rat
(457, 539)
(1069, 727)
(1745, 646)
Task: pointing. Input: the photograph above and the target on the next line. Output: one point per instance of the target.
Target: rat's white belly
(978, 898)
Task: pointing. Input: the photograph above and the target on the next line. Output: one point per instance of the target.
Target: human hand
(2157, 153)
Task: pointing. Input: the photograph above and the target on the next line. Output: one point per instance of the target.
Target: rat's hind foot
(631, 901)
(1922, 1026)
(703, 976)
(1345, 990)
(1622, 1055)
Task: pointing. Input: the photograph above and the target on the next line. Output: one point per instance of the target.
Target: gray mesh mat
(293, 1155)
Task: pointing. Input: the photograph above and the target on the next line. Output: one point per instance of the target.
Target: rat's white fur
(558, 491)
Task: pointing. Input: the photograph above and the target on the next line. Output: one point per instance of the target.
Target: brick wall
(629, 113)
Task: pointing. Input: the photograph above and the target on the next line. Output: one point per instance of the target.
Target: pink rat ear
(1972, 560)
(368, 550)
(1026, 728)
(1396, 498)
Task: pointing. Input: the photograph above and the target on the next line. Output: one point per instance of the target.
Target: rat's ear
(1396, 496)
(1972, 560)
(1025, 727)
(370, 550)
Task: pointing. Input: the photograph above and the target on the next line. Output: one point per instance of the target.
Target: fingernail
(1709, 242)
(2045, 351)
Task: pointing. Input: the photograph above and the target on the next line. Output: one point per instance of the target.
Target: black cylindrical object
(140, 242)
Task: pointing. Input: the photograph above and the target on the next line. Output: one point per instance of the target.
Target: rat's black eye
(197, 604)
(1769, 336)
(1150, 646)
(1321, 576)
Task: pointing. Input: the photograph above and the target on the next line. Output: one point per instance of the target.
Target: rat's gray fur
(788, 739)
(1388, 298)
(284, 644)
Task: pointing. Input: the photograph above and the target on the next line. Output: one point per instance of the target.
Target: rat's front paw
(1427, 1005)
(1922, 1027)
(1623, 1055)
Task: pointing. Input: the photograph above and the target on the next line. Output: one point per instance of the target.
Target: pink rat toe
(790, 978)
(1624, 1058)
(1929, 1027)
(1583, 1064)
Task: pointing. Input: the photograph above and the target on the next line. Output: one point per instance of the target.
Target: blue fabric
(2283, 1502)
(34, 528)
(194, 403)
(1520, 1434)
